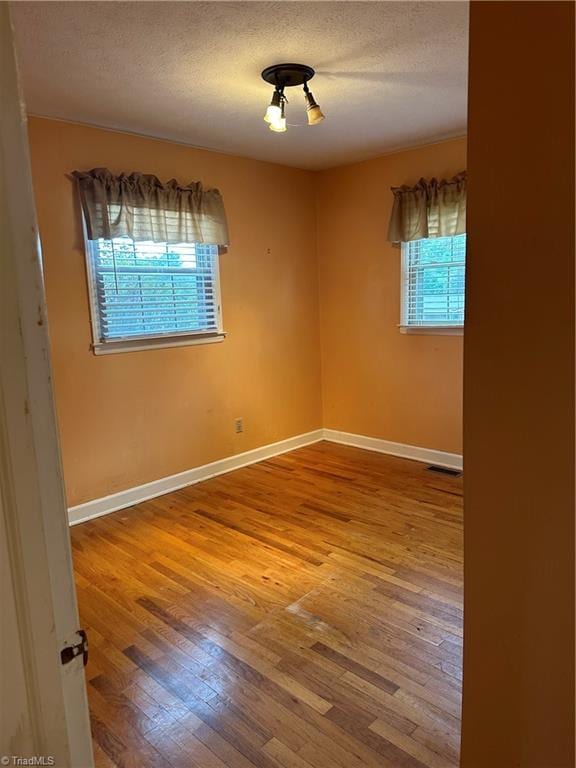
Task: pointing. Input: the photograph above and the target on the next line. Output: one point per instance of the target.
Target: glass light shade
(274, 111)
(314, 112)
(279, 126)
(273, 114)
(315, 115)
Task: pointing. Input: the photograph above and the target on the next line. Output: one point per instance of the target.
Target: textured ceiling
(389, 74)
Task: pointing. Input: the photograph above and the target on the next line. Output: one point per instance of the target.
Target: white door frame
(43, 706)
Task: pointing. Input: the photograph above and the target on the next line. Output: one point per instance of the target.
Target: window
(146, 294)
(433, 284)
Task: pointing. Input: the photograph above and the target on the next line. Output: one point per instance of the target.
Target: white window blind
(433, 282)
(146, 290)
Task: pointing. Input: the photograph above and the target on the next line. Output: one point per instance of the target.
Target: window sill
(139, 345)
(436, 330)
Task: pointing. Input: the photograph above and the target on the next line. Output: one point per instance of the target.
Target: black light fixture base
(287, 75)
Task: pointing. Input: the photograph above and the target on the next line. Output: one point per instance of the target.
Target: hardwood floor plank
(123, 742)
(303, 612)
(284, 755)
(409, 745)
(393, 754)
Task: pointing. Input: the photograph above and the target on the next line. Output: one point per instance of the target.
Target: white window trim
(154, 342)
(161, 341)
(433, 330)
(424, 330)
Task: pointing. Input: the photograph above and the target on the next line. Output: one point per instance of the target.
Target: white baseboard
(427, 455)
(116, 501)
(106, 504)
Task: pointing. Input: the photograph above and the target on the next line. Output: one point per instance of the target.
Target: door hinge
(70, 652)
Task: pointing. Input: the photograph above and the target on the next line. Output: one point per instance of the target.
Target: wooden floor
(304, 612)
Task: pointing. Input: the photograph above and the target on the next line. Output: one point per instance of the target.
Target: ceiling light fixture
(283, 76)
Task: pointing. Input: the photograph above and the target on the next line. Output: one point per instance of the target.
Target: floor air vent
(444, 470)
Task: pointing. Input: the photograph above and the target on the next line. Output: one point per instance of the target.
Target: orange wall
(131, 418)
(519, 389)
(377, 381)
(127, 419)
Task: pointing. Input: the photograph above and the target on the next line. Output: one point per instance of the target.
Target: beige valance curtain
(140, 206)
(430, 209)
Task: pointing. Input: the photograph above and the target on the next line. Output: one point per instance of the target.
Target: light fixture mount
(287, 75)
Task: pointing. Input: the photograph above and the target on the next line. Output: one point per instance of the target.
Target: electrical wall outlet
(239, 425)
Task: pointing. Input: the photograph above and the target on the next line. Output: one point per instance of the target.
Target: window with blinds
(433, 282)
(152, 291)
